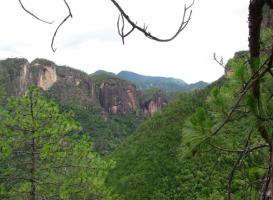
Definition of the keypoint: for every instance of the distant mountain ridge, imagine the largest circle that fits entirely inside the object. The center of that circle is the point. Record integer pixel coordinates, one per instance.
(164, 83)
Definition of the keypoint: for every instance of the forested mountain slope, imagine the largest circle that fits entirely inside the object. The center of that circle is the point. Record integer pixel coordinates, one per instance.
(149, 164)
(166, 84)
(206, 145)
(109, 108)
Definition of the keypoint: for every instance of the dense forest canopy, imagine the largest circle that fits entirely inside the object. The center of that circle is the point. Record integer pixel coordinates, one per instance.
(211, 143)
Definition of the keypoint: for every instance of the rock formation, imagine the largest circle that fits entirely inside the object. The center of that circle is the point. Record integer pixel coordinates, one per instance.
(152, 101)
(154, 105)
(118, 96)
(70, 86)
(67, 85)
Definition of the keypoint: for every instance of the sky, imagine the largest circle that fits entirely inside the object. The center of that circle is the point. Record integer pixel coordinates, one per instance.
(89, 41)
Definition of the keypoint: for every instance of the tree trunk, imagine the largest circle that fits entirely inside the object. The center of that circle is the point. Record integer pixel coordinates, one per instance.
(267, 189)
(33, 170)
(33, 153)
(255, 21)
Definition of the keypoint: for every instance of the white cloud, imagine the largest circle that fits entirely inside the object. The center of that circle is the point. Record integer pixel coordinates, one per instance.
(90, 41)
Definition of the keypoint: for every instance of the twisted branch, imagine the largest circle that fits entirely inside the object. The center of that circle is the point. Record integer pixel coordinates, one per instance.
(144, 29)
(57, 29)
(33, 15)
(121, 24)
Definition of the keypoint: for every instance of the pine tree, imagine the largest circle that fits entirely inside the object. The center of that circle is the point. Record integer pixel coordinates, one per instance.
(42, 155)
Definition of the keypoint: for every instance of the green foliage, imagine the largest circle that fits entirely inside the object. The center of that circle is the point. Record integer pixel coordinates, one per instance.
(175, 154)
(166, 84)
(243, 125)
(100, 76)
(266, 37)
(147, 164)
(11, 62)
(44, 62)
(40, 147)
(106, 130)
(149, 93)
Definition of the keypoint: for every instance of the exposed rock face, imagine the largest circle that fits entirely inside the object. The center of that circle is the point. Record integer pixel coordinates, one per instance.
(118, 96)
(154, 106)
(47, 78)
(15, 74)
(154, 103)
(70, 86)
(73, 87)
(66, 84)
(131, 92)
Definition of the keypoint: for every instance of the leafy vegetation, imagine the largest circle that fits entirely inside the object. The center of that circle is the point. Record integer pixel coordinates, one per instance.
(214, 143)
(166, 84)
(147, 164)
(205, 145)
(43, 156)
(101, 75)
(106, 130)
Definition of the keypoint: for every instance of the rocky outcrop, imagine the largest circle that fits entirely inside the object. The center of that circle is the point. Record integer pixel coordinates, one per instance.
(65, 84)
(120, 96)
(117, 96)
(153, 106)
(70, 86)
(15, 75)
(153, 102)
(47, 78)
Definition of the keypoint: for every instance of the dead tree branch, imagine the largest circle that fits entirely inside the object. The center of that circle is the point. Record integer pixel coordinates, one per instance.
(121, 29)
(57, 29)
(33, 15)
(220, 62)
(144, 29)
(121, 23)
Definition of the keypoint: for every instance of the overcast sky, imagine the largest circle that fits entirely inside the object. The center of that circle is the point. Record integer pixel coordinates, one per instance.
(90, 41)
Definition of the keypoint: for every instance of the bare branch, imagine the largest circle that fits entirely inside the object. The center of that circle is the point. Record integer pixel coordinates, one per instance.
(144, 30)
(250, 150)
(124, 17)
(33, 15)
(225, 149)
(64, 20)
(220, 62)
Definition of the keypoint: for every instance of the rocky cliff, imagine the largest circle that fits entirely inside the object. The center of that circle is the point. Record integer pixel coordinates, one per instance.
(116, 95)
(153, 101)
(70, 86)
(120, 96)
(66, 84)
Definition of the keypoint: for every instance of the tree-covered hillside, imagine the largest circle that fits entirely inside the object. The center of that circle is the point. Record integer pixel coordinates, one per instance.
(149, 164)
(67, 135)
(209, 144)
(166, 84)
